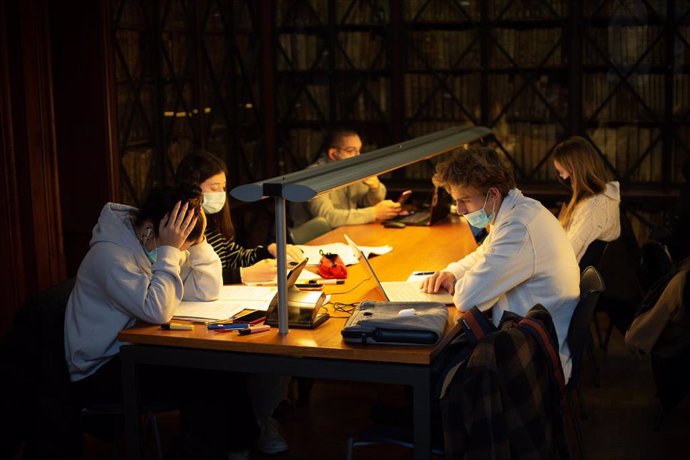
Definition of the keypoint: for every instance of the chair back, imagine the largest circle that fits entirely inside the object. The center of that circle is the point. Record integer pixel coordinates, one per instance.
(591, 287)
(40, 410)
(310, 230)
(655, 264)
(593, 254)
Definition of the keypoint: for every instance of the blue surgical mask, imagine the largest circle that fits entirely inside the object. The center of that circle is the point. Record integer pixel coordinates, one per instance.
(213, 202)
(478, 218)
(152, 254)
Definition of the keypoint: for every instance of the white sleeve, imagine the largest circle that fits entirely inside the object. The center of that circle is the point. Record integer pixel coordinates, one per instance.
(586, 225)
(201, 272)
(507, 261)
(151, 297)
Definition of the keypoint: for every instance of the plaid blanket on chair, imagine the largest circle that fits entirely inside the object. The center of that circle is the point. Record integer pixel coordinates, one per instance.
(506, 402)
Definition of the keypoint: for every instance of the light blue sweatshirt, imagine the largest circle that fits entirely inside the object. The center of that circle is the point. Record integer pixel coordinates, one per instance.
(117, 285)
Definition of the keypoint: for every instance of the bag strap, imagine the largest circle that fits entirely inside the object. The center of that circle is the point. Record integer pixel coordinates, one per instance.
(536, 330)
(475, 325)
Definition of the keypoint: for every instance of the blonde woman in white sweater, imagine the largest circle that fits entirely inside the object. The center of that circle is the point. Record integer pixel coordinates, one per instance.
(593, 212)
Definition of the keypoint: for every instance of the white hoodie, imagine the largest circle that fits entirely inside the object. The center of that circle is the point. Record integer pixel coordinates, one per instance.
(117, 285)
(595, 218)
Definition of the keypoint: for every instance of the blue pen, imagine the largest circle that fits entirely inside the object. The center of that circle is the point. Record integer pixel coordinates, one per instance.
(221, 326)
(423, 273)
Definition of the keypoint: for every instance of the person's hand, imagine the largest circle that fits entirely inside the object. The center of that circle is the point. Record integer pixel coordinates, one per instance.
(176, 226)
(386, 209)
(439, 280)
(262, 271)
(372, 182)
(292, 252)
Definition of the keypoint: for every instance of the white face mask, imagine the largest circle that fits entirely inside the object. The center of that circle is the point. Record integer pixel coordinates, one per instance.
(213, 202)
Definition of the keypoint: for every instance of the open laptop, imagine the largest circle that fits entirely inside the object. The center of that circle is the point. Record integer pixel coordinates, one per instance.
(438, 210)
(307, 317)
(399, 291)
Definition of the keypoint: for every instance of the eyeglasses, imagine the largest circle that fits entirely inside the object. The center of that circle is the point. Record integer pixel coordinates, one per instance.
(350, 151)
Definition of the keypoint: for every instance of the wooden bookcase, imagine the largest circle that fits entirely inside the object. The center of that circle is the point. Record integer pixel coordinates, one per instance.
(186, 76)
(259, 83)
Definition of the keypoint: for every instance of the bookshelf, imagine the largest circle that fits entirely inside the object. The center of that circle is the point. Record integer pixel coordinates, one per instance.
(260, 83)
(185, 76)
(332, 67)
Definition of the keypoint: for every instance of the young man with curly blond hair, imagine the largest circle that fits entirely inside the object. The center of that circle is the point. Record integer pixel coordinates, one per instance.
(525, 260)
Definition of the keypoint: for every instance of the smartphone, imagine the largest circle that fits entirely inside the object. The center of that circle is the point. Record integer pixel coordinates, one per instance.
(253, 317)
(404, 196)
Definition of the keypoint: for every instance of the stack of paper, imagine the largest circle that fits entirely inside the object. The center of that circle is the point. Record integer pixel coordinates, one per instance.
(345, 251)
(233, 299)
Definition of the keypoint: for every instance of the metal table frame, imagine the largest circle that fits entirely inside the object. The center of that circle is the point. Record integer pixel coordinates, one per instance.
(417, 376)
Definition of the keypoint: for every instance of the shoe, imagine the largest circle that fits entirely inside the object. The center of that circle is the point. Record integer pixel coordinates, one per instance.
(270, 441)
(242, 454)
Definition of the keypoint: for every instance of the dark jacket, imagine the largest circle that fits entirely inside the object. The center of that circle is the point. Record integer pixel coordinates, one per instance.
(506, 401)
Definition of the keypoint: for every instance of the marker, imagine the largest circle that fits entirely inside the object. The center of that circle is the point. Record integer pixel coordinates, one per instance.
(177, 327)
(254, 330)
(331, 281)
(309, 286)
(226, 326)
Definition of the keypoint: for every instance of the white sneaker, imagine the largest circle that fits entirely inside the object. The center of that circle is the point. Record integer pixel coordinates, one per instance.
(242, 454)
(270, 441)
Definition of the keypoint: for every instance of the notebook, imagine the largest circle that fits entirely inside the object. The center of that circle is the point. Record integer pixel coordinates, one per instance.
(303, 307)
(437, 210)
(400, 291)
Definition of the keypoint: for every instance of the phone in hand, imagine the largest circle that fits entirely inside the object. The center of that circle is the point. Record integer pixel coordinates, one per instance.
(253, 317)
(404, 196)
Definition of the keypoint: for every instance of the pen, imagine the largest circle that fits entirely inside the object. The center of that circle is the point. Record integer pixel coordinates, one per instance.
(423, 273)
(254, 330)
(176, 327)
(332, 281)
(226, 326)
(309, 286)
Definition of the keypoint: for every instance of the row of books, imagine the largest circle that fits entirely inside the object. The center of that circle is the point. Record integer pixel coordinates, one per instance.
(446, 11)
(439, 49)
(354, 100)
(528, 48)
(544, 97)
(624, 46)
(605, 99)
(444, 96)
(310, 13)
(635, 153)
(615, 9)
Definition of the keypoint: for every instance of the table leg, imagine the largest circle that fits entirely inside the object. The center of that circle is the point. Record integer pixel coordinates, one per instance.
(130, 395)
(421, 400)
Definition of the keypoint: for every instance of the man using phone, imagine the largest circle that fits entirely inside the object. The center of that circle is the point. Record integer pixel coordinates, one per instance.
(358, 203)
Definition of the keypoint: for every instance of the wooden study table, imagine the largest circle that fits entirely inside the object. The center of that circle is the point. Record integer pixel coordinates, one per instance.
(319, 353)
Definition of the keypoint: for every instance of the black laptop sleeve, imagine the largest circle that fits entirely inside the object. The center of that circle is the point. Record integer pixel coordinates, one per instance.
(380, 323)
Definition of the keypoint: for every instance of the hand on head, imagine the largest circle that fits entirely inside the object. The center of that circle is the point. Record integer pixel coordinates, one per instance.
(175, 227)
(439, 280)
(386, 209)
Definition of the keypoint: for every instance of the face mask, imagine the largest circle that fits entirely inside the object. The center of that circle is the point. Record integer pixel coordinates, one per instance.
(479, 219)
(213, 202)
(152, 255)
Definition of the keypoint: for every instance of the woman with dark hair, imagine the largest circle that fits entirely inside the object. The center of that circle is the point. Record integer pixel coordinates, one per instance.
(140, 265)
(239, 264)
(210, 173)
(593, 212)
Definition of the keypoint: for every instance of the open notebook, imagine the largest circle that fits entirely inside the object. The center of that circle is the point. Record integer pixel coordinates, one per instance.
(400, 291)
